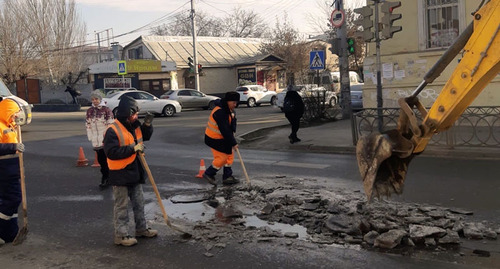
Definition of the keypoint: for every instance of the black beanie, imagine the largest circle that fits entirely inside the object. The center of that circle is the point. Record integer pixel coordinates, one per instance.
(232, 96)
(127, 107)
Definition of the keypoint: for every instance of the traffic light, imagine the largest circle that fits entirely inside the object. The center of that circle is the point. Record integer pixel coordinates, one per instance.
(335, 46)
(365, 21)
(389, 18)
(350, 45)
(191, 65)
(200, 68)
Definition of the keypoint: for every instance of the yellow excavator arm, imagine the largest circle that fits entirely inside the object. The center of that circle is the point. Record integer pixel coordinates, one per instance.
(383, 158)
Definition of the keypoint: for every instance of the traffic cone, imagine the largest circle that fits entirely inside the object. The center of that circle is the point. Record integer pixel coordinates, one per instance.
(202, 169)
(96, 162)
(82, 161)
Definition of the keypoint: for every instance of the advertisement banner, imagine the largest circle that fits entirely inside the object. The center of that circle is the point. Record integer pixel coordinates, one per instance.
(246, 76)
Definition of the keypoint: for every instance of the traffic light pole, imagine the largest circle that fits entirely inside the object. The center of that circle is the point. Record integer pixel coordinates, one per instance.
(195, 53)
(380, 100)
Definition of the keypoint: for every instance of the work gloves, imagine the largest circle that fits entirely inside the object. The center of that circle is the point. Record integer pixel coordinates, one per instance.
(139, 148)
(20, 147)
(148, 119)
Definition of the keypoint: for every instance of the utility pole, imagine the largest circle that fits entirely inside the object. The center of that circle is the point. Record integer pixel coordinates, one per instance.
(98, 48)
(345, 85)
(380, 99)
(195, 54)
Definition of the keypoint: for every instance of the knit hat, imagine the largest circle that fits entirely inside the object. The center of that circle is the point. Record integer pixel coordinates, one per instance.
(96, 94)
(232, 96)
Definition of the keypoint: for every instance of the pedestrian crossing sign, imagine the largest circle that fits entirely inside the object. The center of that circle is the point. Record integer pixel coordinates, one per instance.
(122, 67)
(317, 60)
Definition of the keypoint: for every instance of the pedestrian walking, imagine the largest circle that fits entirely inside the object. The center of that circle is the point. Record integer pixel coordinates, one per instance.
(98, 118)
(219, 136)
(122, 142)
(10, 187)
(293, 107)
(74, 94)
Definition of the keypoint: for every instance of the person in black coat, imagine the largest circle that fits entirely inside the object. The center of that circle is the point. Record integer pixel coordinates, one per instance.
(294, 109)
(123, 141)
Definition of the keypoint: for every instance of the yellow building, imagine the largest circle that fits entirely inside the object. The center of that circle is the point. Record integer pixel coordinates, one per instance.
(429, 27)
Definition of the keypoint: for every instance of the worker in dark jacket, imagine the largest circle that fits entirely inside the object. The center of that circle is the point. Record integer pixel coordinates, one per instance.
(219, 136)
(122, 142)
(10, 188)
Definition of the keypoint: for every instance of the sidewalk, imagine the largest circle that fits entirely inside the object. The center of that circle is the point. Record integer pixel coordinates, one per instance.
(336, 137)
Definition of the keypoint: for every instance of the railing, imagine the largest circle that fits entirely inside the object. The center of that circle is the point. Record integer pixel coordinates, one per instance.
(476, 127)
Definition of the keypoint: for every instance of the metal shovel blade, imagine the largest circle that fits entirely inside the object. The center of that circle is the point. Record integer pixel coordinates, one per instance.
(383, 162)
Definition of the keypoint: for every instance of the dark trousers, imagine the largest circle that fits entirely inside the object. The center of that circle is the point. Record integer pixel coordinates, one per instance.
(295, 122)
(103, 162)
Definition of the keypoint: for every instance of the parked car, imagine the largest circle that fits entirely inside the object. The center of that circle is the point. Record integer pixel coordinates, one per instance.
(147, 103)
(25, 107)
(306, 90)
(255, 95)
(357, 96)
(191, 98)
(109, 91)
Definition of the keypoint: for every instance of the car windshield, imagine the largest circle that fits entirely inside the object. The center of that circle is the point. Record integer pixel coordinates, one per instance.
(4, 91)
(113, 94)
(241, 89)
(169, 92)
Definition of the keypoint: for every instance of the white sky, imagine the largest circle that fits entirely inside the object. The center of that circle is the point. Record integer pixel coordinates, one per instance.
(123, 16)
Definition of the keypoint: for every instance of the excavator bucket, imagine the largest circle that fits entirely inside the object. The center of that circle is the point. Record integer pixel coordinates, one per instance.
(383, 162)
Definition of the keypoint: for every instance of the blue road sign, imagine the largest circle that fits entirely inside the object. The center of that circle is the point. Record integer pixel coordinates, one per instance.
(317, 60)
(122, 67)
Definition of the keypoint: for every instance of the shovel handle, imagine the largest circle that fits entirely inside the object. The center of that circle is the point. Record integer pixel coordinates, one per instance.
(150, 176)
(23, 182)
(243, 166)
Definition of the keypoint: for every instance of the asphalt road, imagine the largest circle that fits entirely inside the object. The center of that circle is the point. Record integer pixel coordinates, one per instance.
(70, 219)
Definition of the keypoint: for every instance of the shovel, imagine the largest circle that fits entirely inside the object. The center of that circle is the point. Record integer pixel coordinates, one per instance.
(185, 234)
(23, 232)
(243, 166)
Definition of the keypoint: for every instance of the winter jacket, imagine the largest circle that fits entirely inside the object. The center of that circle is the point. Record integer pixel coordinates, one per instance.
(10, 189)
(133, 173)
(97, 121)
(298, 105)
(226, 124)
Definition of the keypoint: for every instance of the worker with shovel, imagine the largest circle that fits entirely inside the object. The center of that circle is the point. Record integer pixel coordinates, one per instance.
(10, 188)
(219, 136)
(122, 142)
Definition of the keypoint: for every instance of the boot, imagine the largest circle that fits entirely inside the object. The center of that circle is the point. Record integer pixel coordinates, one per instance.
(126, 241)
(104, 183)
(149, 233)
(209, 175)
(227, 177)
(291, 139)
(230, 181)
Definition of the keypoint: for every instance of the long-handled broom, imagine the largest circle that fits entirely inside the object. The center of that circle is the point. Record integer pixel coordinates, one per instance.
(23, 232)
(160, 203)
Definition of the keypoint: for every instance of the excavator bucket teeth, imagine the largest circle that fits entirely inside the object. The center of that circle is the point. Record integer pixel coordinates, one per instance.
(383, 162)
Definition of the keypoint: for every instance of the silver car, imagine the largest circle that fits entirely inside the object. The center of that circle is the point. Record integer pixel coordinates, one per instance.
(146, 101)
(191, 98)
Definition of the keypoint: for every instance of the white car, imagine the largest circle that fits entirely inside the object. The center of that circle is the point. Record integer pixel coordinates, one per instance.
(255, 95)
(147, 103)
(305, 91)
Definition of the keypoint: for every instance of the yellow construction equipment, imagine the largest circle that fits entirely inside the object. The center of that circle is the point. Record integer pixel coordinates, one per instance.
(383, 158)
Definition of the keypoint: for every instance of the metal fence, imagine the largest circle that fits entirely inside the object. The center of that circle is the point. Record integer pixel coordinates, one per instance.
(476, 127)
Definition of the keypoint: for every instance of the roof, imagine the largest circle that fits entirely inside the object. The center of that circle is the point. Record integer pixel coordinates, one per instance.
(212, 51)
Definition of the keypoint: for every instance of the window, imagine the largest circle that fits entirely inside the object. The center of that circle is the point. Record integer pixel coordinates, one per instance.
(184, 93)
(442, 22)
(135, 53)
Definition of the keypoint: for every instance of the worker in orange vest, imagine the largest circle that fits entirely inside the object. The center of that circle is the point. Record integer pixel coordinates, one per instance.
(122, 142)
(10, 187)
(219, 136)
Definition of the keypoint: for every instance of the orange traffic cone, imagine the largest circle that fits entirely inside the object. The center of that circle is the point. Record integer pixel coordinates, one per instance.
(202, 169)
(96, 162)
(82, 161)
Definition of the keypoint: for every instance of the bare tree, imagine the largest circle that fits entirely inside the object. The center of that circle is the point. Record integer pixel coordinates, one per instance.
(181, 26)
(49, 42)
(242, 23)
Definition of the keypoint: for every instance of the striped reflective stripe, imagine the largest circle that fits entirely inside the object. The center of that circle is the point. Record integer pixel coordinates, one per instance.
(9, 156)
(6, 131)
(121, 137)
(5, 217)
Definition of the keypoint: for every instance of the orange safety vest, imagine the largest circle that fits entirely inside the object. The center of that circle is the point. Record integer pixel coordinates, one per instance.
(125, 138)
(212, 129)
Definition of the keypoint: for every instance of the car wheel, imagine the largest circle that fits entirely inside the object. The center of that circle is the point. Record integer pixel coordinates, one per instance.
(250, 102)
(169, 110)
(332, 102)
(273, 100)
(211, 105)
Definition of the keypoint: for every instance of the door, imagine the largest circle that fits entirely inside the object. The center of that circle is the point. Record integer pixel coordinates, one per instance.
(184, 97)
(29, 90)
